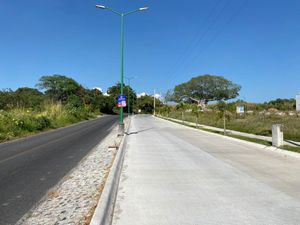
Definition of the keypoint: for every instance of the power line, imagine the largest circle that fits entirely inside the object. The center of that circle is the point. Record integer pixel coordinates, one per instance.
(195, 37)
(203, 34)
(218, 33)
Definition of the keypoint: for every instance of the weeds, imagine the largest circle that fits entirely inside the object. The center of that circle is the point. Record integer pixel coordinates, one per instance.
(254, 124)
(21, 122)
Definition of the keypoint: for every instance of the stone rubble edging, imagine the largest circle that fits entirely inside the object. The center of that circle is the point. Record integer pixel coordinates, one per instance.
(74, 199)
(103, 214)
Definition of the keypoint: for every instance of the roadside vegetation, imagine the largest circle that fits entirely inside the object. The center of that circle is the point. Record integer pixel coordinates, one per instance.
(254, 122)
(56, 102)
(254, 140)
(203, 100)
(20, 122)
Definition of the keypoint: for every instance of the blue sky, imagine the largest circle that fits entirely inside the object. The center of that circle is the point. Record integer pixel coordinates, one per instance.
(255, 43)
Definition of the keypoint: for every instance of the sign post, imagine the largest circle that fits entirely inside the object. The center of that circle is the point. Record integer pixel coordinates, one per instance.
(298, 102)
(121, 101)
(240, 109)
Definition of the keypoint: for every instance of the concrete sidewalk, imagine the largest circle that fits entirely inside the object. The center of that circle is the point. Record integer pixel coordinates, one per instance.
(174, 175)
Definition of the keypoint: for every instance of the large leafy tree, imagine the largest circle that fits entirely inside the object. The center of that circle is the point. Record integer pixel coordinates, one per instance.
(205, 88)
(61, 88)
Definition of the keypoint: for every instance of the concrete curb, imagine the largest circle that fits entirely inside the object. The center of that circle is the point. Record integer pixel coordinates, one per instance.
(104, 211)
(260, 146)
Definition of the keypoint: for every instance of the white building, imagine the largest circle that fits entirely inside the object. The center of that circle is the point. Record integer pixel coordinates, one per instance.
(298, 102)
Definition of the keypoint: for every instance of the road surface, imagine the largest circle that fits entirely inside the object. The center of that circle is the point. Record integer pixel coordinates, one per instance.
(175, 175)
(31, 166)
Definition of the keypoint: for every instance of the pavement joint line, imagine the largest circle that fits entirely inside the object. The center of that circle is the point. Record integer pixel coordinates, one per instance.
(260, 146)
(103, 214)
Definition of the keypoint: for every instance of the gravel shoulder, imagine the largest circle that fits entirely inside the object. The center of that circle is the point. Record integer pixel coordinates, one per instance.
(74, 199)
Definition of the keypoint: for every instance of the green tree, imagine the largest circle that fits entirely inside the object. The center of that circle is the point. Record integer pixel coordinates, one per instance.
(282, 104)
(145, 104)
(29, 97)
(115, 90)
(61, 88)
(7, 99)
(205, 88)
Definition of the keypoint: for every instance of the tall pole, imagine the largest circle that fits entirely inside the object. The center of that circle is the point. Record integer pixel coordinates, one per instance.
(122, 15)
(122, 69)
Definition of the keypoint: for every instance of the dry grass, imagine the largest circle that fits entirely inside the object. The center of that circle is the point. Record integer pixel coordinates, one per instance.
(255, 124)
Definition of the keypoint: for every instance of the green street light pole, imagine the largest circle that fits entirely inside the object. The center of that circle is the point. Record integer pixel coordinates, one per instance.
(122, 15)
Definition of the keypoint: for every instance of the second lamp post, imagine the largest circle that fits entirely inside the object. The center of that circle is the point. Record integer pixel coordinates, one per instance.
(122, 15)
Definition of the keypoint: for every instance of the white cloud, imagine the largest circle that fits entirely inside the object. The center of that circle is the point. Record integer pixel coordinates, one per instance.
(97, 88)
(158, 96)
(141, 94)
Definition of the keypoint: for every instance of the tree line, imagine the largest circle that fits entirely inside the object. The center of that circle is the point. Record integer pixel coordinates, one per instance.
(71, 94)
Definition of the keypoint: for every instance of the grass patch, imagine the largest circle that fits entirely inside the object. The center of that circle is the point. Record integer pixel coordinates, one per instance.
(291, 148)
(254, 140)
(256, 123)
(22, 122)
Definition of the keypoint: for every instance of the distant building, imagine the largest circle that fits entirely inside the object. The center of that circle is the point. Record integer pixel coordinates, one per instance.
(298, 102)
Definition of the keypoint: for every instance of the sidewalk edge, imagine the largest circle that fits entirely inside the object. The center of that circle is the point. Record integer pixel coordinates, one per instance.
(104, 210)
(260, 146)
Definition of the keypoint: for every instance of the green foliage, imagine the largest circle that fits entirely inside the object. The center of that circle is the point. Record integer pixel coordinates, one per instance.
(21, 122)
(7, 99)
(115, 91)
(61, 88)
(206, 88)
(164, 110)
(64, 101)
(29, 97)
(22, 97)
(254, 123)
(282, 104)
(146, 104)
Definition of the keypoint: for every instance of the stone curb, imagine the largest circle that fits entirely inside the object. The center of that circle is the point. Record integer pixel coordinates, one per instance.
(104, 211)
(260, 146)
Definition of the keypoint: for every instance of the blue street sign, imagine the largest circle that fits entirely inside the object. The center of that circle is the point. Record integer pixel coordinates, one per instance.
(121, 101)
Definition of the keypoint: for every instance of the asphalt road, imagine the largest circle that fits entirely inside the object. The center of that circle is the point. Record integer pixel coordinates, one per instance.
(175, 175)
(30, 167)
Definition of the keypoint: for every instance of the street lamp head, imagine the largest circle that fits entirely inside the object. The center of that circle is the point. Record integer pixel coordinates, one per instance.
(143, 9)
(100, 7)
